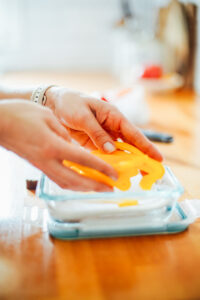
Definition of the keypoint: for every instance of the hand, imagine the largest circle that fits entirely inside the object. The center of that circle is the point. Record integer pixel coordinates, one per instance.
(95, 123)
(34, 133)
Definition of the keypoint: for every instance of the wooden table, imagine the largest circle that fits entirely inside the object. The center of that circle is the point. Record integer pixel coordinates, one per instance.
(35, 266)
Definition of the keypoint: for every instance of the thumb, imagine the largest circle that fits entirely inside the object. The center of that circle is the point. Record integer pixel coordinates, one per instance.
(98, 135)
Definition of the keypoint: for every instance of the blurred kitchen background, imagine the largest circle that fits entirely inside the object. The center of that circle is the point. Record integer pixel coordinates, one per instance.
(134, 40)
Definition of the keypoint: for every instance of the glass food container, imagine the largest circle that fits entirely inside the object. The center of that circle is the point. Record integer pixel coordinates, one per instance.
(75, 215)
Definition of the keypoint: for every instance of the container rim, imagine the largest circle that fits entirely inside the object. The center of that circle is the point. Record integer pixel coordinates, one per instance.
(176, 191)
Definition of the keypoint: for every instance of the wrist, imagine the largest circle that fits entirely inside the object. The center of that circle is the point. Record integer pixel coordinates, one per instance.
(52, 94)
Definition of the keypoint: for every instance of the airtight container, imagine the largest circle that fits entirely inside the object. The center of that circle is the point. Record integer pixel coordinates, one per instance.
(76, 215)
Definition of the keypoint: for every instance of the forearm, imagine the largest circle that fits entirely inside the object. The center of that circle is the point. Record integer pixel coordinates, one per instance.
(7, 92)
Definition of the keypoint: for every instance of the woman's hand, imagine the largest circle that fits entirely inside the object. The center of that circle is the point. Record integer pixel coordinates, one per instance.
(34, 133)
(93, 122)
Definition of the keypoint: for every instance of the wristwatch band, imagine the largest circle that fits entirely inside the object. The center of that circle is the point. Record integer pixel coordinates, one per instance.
(38, 95)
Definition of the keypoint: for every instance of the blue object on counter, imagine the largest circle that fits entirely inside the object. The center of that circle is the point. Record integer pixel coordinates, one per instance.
(160, 137)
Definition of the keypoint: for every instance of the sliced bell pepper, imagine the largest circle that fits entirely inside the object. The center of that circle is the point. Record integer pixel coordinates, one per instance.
(127, 161)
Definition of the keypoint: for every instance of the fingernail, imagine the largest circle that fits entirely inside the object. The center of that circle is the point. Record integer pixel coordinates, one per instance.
(108, 147)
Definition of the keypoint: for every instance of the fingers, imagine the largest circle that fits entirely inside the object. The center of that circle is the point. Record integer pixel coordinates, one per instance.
(79, 155)
(114, 121)
(82, 138)
(98, 135)
(69, 179)
(58, 128)
(135, 137)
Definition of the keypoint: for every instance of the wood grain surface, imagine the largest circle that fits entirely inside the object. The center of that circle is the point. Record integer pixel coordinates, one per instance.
(36, 266)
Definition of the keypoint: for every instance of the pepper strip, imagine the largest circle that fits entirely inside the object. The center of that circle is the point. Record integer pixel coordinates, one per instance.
(127, 164)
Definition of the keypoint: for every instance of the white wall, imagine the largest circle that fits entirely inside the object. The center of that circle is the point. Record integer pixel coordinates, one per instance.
(59, 34)
(63, 34)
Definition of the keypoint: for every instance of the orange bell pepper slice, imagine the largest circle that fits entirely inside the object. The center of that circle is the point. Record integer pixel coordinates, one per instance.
(127, 161)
